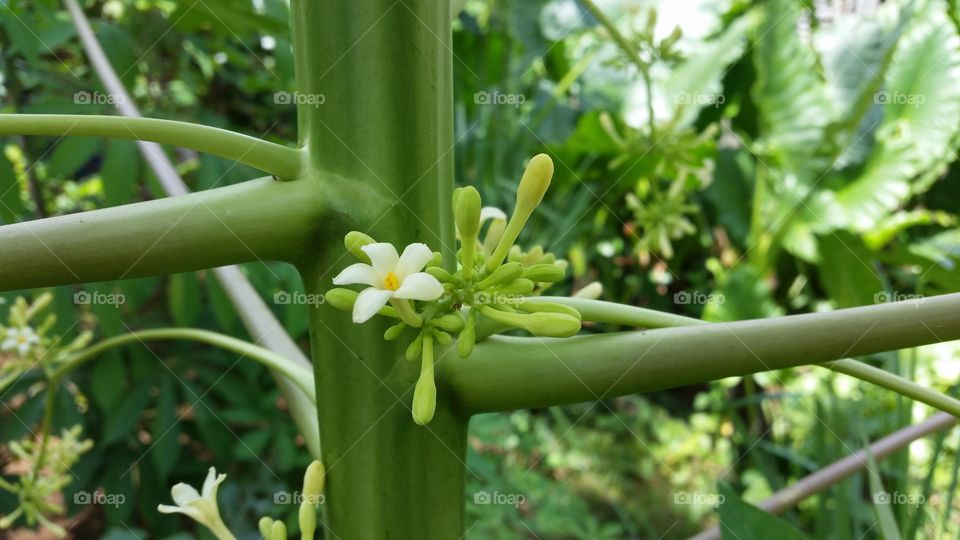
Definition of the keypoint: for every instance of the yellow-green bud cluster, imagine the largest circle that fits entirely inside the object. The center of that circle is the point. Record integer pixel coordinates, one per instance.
(488, 290)
(312, 494)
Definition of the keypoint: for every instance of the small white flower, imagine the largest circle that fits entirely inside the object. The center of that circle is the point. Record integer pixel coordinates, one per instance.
(491, 212)
(390, 276)
(201, 507)
(20, 340)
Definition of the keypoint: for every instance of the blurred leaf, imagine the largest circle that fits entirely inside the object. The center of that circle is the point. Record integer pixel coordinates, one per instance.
(120, 171)
(70, 154)
(165, 430)
(742, 521)
(11, 206)
(183, 295)
(846, 270)
(121, 421)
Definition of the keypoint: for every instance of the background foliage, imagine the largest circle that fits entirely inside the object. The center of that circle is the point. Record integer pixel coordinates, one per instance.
(727, 159)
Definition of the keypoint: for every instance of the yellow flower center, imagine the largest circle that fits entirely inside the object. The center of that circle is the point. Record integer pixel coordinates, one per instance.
(391, 282)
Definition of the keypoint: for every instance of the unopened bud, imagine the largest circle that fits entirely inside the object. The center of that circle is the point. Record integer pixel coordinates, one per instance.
(342, 299)
(413, 350)
(533, 256)
(394, 331)
(442, 338)
(425, 393)
(533, 185)
(314, 478)
(539, 324)
(590, 292)
(538, 306)
(308, 520)
(450, 323)
(503, 274)
(517, 286)
(544, 273)
(354, 240)
(266, 527)
(468, 336)
(278, 531)
(442, 275)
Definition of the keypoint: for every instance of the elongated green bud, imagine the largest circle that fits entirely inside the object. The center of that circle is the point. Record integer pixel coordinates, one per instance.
(343, 299)
(413, 350)
(539, 324)
(394, 331)
(39, 304)
(493, 236)
(544, 272)
(440, 274)
(517, 286)
(442, 338)
(425, 393)
(468, 336)
(466, 211)
(515, 254)
(533, 185)
(436, 260)
(278, 531)
(313, 479)
(533, 256)
(503, 274)
(549, 307)
(308, 520)
(354, 240)
(450, 323)
(266, 526)
(591, 291)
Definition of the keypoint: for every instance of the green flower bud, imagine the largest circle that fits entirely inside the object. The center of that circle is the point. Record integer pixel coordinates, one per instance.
(413, 350)
(503, 274)
(466, 212)
(544, 273)
(313, 479)
(425, 393)
(538, 306)
(440, 274)
(437, 259)
(533, 185)
(343, 299)
(265, 526)
(493, 236)
(308, 520)
(591, 291)
(539, 324)
(515, 254)
(450, 323)
(278, 531)
(533, 256)
(548, 258)
(354, 240)
(394, 331)
(442, 338)
(517, 286)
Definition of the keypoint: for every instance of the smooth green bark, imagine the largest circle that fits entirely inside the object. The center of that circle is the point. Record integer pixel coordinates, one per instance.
(382, 144)
(258, 220)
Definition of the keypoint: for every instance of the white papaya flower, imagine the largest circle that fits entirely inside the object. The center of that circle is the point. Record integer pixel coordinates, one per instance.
(20, 340)
(390, 276)
(201, 507)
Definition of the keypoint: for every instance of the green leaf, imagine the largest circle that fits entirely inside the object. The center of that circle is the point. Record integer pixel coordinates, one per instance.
(11, 205)
(109, 380)
(70, 154)
(742, 521)
(847, 270)
(740, 294)
(121, 421)
(881, 500)
(120, 171)
(183, 294)
(165, 430)
(921, 106)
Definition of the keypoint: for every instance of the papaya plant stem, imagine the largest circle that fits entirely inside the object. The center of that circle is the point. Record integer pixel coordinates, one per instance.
(257, 220)
(300, 376)
(283, 162)
(514, 373)
(896, 383)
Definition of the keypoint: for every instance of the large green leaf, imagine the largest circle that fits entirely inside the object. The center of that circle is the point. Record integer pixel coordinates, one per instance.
(742, 521)
(921, 105)
(847, 271)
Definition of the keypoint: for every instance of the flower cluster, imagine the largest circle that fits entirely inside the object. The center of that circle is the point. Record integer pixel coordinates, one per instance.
(202, 506)
(43, 468)
(482, 292)
(24, 347)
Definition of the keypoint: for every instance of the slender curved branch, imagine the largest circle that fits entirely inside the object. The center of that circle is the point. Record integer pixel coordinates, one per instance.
(515, 373)
(786, 498)
(896, 383)
(613, 313)
(255, 220)
(259, 321)
(283, 162)
(299, 375)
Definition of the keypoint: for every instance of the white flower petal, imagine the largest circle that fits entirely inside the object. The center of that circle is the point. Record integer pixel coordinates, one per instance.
(9, 344)
(369, 302)
(167, 509)
(414, 258)
(420, 286)
(491, 212)
(211, 482)
(23, 349)
(383, 256)
(184, 494)
(359, 273)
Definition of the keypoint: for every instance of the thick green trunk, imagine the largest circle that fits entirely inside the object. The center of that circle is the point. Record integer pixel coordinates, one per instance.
(383, 69)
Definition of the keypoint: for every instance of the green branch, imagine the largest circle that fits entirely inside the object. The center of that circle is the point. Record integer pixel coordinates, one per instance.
(622, 314)
(283, 162)
(896, 383)
(514, 373)
(256, 220)
(300, 376)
